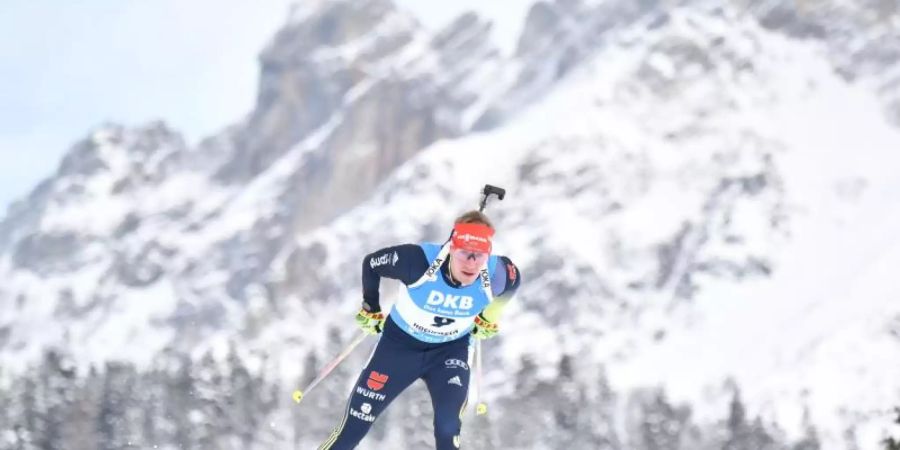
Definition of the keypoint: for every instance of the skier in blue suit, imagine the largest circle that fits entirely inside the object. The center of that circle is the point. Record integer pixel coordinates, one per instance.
(449, 294)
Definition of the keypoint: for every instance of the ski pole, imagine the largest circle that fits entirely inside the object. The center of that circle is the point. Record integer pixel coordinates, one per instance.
(299, 393)
(480, 406)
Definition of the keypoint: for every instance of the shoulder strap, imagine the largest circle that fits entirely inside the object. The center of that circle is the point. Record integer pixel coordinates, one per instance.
(485, 275)
(431, 273)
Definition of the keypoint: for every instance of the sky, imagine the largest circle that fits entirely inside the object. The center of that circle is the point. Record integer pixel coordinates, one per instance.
(67, 67)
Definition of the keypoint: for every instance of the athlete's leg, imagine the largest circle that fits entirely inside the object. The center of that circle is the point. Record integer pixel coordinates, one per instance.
(448, 383)
(391, 369)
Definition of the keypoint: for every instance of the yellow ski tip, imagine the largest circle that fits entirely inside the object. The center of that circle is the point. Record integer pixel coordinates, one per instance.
(481, 409)
(298, 395)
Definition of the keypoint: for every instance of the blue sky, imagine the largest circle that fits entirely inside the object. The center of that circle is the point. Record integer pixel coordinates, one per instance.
(68, 66)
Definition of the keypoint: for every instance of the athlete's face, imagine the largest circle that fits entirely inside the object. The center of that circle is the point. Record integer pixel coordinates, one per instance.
(464, 265)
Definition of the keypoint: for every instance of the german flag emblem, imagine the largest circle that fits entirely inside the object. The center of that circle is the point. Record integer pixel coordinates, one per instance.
(376, 381)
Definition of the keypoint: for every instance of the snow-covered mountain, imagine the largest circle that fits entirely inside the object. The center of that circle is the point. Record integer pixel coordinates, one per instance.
(702, 198)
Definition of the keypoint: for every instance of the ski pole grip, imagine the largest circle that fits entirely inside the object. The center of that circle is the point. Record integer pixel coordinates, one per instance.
(498, 191)
(486, 193)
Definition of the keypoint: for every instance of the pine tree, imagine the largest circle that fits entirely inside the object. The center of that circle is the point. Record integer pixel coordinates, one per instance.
(305, 429)
(601, 431)
(55, 381)
(8, 423)
(5, 414)
(5, 422)
(565, 413)
(850, 440)
(656, 424)
(241, 402)
(890, 443)
(117, 424)
(80, 431)
(180, 401)
(811, 439)
(742, 434)
(316, 417)
(28, 427)
(152, 398)
(584, 411)
(271, 399)
(206, 412)
(528, 430)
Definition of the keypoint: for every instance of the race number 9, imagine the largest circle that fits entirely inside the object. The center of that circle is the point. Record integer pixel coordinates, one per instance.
(442, 321)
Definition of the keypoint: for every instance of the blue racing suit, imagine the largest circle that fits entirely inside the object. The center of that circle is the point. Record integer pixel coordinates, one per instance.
(426, 336)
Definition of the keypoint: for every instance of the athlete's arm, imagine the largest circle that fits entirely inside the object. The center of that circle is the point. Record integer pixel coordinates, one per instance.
(405, 262)
(504, 283)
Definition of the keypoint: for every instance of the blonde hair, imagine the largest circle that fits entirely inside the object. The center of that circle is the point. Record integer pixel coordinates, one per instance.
(474, 216)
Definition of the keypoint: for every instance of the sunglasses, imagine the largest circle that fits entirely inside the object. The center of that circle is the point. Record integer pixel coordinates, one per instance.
(466, 255)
